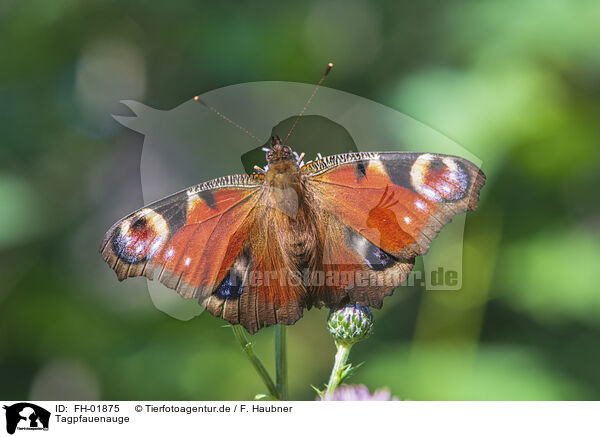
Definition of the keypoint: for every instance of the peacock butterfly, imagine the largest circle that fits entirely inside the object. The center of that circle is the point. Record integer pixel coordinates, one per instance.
(258, 249)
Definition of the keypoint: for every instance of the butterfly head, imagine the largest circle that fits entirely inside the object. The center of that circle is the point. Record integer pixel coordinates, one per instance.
(278, 152)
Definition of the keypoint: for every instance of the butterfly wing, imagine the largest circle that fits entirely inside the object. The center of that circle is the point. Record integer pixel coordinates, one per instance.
(386, 208)
(267, 289)
(356, 270)
(191, 239)
(213, 242)
(371, 214)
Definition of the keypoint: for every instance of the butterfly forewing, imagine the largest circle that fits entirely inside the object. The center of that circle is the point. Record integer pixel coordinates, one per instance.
(398, 201)
(189, 239)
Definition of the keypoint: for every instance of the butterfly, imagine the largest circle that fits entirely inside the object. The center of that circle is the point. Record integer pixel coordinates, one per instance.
(258, 249)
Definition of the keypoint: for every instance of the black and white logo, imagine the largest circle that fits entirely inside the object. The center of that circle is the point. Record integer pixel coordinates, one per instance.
(26, 416)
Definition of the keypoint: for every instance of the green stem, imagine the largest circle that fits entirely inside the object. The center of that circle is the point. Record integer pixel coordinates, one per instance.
(338, 372)
(281, 361)
(248, 348)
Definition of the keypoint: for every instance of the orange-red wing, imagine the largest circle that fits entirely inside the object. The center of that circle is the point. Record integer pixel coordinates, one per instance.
(397, 201)
(377, 212)
(214, 242)
(354, 269)
(263, 288)
(191, 238)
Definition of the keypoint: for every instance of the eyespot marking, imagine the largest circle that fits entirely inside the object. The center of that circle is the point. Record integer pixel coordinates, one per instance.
(140, 237)
(231, 287)
(376, 258)
(442, 179)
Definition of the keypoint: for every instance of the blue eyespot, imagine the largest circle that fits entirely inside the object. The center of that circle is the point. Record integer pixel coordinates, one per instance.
(230, 288)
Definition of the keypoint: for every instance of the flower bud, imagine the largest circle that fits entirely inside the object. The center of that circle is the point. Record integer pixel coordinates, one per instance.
(358, 393)
(350, 324)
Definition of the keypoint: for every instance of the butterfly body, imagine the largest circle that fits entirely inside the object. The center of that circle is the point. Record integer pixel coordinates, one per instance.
(258, 249)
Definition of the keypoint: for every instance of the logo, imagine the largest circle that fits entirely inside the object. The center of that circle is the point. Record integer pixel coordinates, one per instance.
(26, 416)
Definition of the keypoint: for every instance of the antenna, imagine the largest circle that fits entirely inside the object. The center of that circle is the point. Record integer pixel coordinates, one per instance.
(327, 70)
(242, 128)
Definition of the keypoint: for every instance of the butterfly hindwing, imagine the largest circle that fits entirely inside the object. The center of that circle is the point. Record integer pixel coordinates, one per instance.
(251, 301)
(272, 289)
(355, 270)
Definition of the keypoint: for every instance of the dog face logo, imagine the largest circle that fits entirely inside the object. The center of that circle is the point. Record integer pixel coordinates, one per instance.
(26, 416)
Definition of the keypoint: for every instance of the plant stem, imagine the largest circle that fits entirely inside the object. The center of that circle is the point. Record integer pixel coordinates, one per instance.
(337, 373)
(281, 361)
(248, 348)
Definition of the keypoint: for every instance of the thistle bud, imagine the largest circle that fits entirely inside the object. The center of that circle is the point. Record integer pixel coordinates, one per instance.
(350, 324)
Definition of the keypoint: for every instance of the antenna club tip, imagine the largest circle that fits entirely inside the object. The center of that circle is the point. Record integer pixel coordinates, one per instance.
(330, 65)
(199, 100)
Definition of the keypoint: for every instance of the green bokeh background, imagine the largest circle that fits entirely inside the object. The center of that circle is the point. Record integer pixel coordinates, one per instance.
(515, 82)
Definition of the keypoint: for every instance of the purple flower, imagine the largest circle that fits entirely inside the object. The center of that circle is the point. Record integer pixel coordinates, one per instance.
(359, 393)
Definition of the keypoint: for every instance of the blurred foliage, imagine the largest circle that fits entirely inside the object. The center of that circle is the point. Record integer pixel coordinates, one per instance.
(515, 82)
